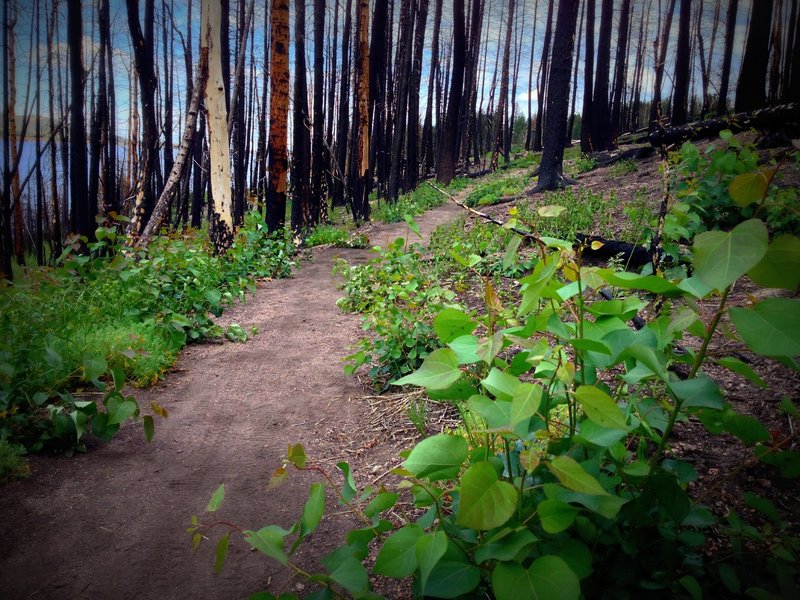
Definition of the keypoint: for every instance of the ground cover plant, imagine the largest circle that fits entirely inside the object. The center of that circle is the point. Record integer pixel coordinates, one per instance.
(563, 481)
(112, 315)
(496, 187)
(416, 202)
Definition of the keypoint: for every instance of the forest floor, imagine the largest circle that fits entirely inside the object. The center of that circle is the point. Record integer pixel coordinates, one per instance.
(112, 523)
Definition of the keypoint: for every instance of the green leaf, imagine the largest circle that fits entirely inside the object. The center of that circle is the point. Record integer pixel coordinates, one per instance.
(524, 404)
(743, 369)
(548, 577)
(221, 553)
(551, 210)
(485, 502)
(313, 509)
(574, 477)
(505, 544)
(439, 370)
(533, 284)
(720, 258)
(398, 557)
(429, 549)
(297, 456)
(466, 349)
(600, 408)
(94, 367)
(700, 392)
(351, 575)
(269, 540)
(605, 506)
(556, 516)
(780, 267)
(644, 355)
(764, 506)
(648, 283)
(690, 584)
(216, 499)
(120, 410)
(438, 457)
(453, 576)
(349, 486)
(502, 385)
(213, 297)
(771, 327)
(381, 502)
(496, 413)
(510, 255)
(149, 427)
(412, 224)
(624, 309)
(748, 188)
(452, 323)
(593, 433)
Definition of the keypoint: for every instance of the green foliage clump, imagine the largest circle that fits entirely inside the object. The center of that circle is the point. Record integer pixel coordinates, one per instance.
(706, 201)
(398, 298)
(337, 236)
(524, 161)
(584, 211)
(13, 465)
(421, 200)
(583, 164)
(112, 315)
(622, 168)
(490, 191)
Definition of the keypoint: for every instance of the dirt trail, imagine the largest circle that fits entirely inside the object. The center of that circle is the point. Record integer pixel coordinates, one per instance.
(112, 523)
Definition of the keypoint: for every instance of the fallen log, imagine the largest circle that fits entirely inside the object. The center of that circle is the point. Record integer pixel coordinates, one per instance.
(776, 116)
(609, 157)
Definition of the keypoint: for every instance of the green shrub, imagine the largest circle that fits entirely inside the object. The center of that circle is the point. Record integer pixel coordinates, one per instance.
(583, 164)
(113, 315)
(12, 462)
(496, 187)
(622, 168)
(421, 200)
(584, 211)
(336, 236)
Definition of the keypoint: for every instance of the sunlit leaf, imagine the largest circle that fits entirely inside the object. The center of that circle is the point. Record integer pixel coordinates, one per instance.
(720, 257)
(439, 370)
(216, 499)
(485, 502)
(437, 457)
(771, 327)
(574, 477)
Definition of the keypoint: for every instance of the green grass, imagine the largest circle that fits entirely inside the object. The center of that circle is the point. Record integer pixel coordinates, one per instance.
(421, 200)
(339, 236)
(496, 186)
(586, 212)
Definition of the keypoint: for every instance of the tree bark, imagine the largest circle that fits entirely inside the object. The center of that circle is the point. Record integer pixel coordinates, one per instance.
(360, 201)
(751, 88)
(727, 57)
(427, 127)
(680, 97)
(318, 153)
(220, 227)
(499, 129)
(278, 113)
(660, 46)
(301, 217)
(601, 115)
(82, 213)
(412, 137)
(342, 128)
(587, 143)
(620, 70)
(448, 150)
(551, 175)
(544, 68)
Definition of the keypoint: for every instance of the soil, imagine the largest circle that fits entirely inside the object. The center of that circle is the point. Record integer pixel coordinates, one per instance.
(112, 523)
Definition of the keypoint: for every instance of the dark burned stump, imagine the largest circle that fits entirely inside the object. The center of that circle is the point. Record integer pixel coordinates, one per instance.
(608, 158)
(633, 256)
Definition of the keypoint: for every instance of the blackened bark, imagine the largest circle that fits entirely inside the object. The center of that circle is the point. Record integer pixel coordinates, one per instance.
(727, 57)
(620, 67)
(544, 68)
(427, 128)
(601, 114)
(82, 213)
(342, 129)
(587, 144)
(660, 46)
(571, 124)
(412, 137)
(318, 154)
(448, 150)
(301, 139)
(551, 173)
(681, 94)
(751, 88)
(404, 56)
(499, 129)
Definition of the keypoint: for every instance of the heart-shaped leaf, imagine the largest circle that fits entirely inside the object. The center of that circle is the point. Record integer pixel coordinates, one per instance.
(485, 502)
(720, 257)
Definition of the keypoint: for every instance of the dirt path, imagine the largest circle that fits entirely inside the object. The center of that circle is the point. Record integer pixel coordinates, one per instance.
(112, 523)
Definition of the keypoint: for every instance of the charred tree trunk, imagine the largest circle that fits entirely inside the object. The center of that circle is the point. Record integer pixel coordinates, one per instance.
(660, 46)
(620, 71)
(412, 137)
(601, 115)
(427, 128)
(544, 68)
(528, 135)
(727, 57)
(6, 246)
(587, 143)
(751, 87)
(82, 213)
(360, 201)
(681, 94)
(301, 140)
(278, 112)
(342, 128)
(551, 173)
(448, 150)
(404, 56)
(499, 143)
(318, 154)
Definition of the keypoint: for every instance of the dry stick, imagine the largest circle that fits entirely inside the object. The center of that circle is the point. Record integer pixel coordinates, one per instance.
(491, 219)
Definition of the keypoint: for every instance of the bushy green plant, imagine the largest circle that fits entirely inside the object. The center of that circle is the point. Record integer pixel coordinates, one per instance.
(398, 299)
(622, 168)
(496, 187)
(421, 200)
(584, 211)
(706, 201)
(115, 314)
(12, 462)
(583, 164)
(337, 236)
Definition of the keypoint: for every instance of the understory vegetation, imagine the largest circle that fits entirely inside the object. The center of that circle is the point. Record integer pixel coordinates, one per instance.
(116, 314)
(562, 480)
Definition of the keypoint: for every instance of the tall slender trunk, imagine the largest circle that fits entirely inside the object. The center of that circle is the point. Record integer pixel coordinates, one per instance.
(342, 128)
(360, 202)
(82, 213)
(427, 127)
(660, 46)
(318, 154)
(620, 69)
(681, 90)
(571, 124)
(6, 248)
(544, 67)
(301, 139)
(412, 137)
(55, 219)
(751, 88)
(727, 56)
(403, 70)
(501, 104)
(11, 107)
(448, 150)
(601, 115)
(528, 136)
